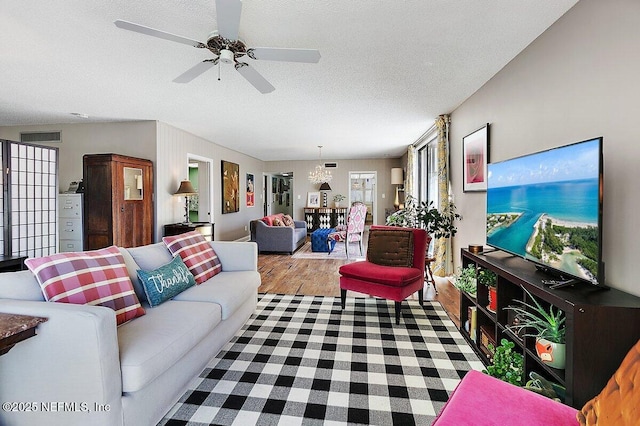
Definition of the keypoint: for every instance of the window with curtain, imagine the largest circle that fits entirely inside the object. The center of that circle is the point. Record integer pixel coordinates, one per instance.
(427, 157)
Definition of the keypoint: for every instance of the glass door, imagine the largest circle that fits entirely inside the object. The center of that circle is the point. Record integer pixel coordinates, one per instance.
(362, 187)
(200, 176)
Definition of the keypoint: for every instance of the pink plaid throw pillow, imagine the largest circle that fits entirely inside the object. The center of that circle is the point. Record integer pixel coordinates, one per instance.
(196, 253)
(96, 277)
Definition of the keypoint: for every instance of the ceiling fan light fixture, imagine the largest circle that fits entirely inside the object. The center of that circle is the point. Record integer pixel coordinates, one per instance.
(226, 56)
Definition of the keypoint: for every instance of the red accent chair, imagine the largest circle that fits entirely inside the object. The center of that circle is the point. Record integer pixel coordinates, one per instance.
(394, 268)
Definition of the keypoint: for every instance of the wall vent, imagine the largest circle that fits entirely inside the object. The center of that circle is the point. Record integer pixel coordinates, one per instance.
(330, 165)
(41, 137)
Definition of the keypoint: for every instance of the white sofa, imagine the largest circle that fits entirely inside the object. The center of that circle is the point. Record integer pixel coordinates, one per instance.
(138, 370)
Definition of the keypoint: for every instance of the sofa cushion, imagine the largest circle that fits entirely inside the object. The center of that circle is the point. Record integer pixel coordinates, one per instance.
(132, 268)
(395, 276)
(153, 343)
(147, 257)
(619, 402)
(167, 281)
(269, 219)
(390, 247)
(229, 290)
(288, 221)
(151, 256)
(20, 285)
(97, 277)
(196, 253)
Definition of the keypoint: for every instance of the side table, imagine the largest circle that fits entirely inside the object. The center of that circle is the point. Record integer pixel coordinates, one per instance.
(12, 263)
(15, 328)
(205, 228)
(428, 274)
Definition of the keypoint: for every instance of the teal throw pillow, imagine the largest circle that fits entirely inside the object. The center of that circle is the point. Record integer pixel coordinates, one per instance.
(166, 282)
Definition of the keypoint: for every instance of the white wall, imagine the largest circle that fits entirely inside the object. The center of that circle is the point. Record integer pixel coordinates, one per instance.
(578, 80)
(167, 147)
(173, 147)
(340, 182)
(133, 138)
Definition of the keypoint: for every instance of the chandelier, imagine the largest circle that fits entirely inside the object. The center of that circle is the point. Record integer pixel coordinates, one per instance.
(320, 174)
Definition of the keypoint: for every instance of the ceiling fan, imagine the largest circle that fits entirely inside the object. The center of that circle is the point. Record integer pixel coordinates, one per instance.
(227, 48)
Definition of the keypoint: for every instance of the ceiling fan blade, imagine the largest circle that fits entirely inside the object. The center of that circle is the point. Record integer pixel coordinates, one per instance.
(126, 25)
(195, 71)
(284, 54)
(228, 18)
(254, 77)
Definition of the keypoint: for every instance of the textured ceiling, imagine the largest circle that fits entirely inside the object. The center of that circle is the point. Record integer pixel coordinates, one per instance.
(388, 68)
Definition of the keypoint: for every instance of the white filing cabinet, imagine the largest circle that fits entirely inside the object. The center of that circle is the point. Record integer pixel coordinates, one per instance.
(70, 222)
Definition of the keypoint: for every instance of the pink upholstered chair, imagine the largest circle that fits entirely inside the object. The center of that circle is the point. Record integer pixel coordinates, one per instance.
(394, 268)
(354, 229)
(481, 400)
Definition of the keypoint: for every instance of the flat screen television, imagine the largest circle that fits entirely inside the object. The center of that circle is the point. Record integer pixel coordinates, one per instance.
(547, 208)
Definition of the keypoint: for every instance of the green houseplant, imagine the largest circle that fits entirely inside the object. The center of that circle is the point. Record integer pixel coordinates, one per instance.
(437, 223)
(507, 364)
(337, 198)
(489, 279)
(547, 326)
(466, 280)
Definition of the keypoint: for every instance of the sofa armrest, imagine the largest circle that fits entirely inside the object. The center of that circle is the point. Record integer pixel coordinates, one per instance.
(73, 359)
(300, 224)
(236, 256)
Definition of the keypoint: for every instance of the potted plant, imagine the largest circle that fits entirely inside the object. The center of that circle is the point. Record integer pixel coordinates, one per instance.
(548, 329)
(337, 198)
(507, 364)
(438, 223)
(465, 280)
(489, 279)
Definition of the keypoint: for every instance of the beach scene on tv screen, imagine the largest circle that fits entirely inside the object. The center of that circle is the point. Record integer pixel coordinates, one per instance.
(545, 207)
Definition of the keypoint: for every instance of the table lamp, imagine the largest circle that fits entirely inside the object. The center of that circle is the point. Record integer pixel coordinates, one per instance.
(324, 188)
(397, 179)
(186, 190)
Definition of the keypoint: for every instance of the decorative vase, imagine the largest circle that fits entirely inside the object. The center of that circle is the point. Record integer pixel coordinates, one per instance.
(337, 203)
(493, 299)
(550, 353)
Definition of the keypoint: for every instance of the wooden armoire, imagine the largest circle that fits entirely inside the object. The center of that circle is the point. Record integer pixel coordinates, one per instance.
(118, 201)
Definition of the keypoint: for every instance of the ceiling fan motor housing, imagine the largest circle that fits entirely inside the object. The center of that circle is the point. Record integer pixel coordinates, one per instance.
(226, 56)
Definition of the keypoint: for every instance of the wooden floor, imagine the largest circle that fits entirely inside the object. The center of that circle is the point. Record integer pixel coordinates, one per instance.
(283, 275)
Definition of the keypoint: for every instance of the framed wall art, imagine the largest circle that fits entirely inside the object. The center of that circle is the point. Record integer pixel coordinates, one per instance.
(230, 185)
(251, 200)
(475, 157)
(313, 199)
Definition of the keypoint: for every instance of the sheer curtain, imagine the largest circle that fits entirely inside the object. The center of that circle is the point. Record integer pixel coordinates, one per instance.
(412, 170)
(442, 247)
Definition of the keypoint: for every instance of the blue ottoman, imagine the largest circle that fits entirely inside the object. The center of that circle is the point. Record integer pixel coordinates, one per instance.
(319, 240)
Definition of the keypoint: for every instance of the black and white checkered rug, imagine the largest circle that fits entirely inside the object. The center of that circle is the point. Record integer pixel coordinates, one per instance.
(300, 360)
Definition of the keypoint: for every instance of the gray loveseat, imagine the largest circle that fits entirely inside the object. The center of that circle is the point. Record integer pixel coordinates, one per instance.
(279, 239)
(138, 370)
